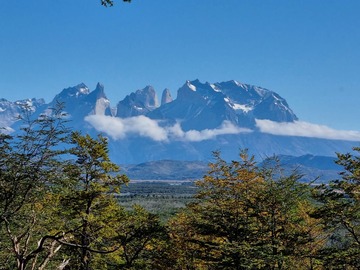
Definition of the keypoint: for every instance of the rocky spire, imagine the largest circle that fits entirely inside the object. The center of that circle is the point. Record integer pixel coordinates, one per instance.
(166, 96)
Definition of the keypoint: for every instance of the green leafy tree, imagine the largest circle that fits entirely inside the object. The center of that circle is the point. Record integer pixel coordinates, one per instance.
(340, 212)
(88, 205)
(29, 164)
(138, 234)
(58, 205)
(288, 237)
(28, 160)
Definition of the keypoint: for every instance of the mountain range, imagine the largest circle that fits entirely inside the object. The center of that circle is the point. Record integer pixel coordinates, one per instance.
(319, 168)
(226, 116)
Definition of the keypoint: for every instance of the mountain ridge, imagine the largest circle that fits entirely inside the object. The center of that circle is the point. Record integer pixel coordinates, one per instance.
(320, 168)
(204, 117)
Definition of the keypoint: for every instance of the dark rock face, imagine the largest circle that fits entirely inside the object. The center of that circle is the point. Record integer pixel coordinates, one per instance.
(166, 97)
(140, 102)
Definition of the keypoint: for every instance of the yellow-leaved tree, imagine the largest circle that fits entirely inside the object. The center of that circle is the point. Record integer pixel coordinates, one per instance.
(247, 217)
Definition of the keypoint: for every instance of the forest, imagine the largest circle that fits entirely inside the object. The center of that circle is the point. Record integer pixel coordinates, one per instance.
(61, 208)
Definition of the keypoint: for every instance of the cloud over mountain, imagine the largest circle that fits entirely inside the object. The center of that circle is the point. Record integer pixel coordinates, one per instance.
(120, 128)
(305, 129)
(203, 117)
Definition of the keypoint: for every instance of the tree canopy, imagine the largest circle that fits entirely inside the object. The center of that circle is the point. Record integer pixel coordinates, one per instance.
(59, 209)
(246, 217)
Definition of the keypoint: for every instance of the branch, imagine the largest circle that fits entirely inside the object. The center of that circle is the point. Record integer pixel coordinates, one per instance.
(87, 248)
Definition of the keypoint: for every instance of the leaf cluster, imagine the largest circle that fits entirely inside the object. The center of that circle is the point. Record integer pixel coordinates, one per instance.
(110, 3)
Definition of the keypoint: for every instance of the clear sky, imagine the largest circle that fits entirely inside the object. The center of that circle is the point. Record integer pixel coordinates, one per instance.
(308, 51)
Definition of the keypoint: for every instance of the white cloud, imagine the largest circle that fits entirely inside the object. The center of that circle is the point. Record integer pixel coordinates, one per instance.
(195, 136)
(120, 128)
(305, 129)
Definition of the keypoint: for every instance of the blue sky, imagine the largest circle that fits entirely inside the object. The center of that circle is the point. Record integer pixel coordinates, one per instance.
(308, 51)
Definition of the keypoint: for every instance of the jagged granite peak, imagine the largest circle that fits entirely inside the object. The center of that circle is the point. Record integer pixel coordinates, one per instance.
(166, 97)
(77, 91)
(98, 101)
(241, 93)
(148, 97)
(206, 105)
(275, 108)
(80, 102)
(11, 111)
(23, 104)
(198, 106)
(32, 103)
(140, 102)
(260, 102)
(197, 92)
(98, 93)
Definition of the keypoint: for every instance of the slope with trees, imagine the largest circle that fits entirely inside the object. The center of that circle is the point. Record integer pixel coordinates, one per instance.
(59, 209)
(58, 201)
(247, 218)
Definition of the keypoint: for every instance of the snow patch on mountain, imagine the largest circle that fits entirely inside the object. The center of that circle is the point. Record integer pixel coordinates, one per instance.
(216, 89)
(305, 129)
(242, 107)
(191, 86)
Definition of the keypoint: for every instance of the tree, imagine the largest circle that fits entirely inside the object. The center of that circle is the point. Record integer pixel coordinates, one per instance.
(181, 250)
(288, 235)
(138, 234)
(30, 240)
(28, 159)
(29, 164)
(87, 202)
(58, 202)
(339, 210)
(246, 217)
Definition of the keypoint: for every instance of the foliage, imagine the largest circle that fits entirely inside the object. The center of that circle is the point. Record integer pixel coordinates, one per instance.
(110, 3)
(87, 204)
(28, 161)
(246, 218)
(29, 164)
(138, 234)
(60, 208)
(340, 213)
